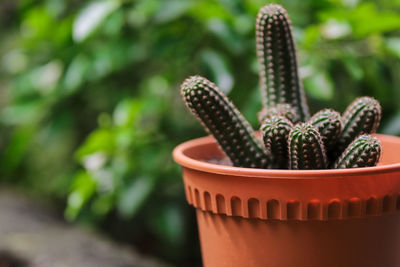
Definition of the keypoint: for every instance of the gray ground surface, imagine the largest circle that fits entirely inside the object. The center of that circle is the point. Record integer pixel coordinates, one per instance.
(32, 234)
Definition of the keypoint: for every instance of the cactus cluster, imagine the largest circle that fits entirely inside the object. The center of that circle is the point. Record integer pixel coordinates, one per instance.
(289, 138)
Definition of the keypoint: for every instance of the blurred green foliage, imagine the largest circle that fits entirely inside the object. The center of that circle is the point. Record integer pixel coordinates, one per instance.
(90, 108)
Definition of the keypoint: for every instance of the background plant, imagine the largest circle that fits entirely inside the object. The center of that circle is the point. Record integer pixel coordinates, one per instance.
(88, 109)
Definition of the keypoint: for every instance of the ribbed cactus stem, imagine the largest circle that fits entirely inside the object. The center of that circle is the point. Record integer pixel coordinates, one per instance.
(276, 53)
(364, 151)
(361, 117)
(275, 132)
(306, 150)
(284, 109)
(221, 119)
(329, 124)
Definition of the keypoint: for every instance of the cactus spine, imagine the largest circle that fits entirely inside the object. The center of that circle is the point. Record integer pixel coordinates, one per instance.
(329, 124)
(362, 152)
(284, 109)
(221, 119)
(275, 132)
(361, 117)
(306, 150)
(276, 52)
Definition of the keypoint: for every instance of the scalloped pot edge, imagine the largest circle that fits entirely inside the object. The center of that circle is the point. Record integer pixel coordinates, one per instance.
(288, 194)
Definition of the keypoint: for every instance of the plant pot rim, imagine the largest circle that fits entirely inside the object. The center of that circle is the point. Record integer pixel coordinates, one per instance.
(182, 155)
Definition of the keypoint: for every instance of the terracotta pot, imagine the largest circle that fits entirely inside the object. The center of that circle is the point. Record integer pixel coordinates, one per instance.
(286, 218)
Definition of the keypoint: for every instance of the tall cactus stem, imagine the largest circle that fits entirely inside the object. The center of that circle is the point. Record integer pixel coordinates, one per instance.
(306, 149)
(364, 151)
(276, 53)
(221, 119)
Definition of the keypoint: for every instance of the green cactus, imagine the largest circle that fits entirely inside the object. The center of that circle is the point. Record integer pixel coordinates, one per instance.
(361, 117)
(364, 151)
(276, 53)
(294, 143)
(329, 124)
(275, 131)
(284, 109)
(306, 150)
(221, 119)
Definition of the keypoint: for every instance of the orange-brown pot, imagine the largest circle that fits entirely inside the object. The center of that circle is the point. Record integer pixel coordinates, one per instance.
(286, 218)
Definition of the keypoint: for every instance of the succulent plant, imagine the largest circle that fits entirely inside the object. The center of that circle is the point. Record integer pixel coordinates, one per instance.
(364, 151)
(362, 116)
(221, 119)
(276, 53)
(329, 124)
(306, 150)
(291, 139)
(275, 131)
(284, 109)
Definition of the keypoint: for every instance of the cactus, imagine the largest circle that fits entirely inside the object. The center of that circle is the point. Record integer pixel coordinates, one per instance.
(276, 53)
(325, 140)
(306, 150)
(221, 119)
(361, 117)
(284, 109)
(364, 151)
(329, 124)
(275, 132)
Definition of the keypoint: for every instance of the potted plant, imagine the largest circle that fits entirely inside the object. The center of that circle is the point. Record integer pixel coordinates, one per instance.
(304, 191)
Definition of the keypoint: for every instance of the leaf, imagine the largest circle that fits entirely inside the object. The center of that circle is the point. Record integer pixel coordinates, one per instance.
(320, 86)
(24, 113)
(367, 20)
(113, 25)
(141, 12)
(353, 68)
(101, 140)
(334, 29)
(311, 37)
(126, 112)
(45, 78)
(76, 73)
(36, 23)
(209, 9)
(222, 30)
(15, 61)
(16, 149)
(103, 204)
(171, 9)
(244, 24)
(110, 57)
(91, 17)
(132, 198)
(83, 189)
(219, 69)
(393, 46)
